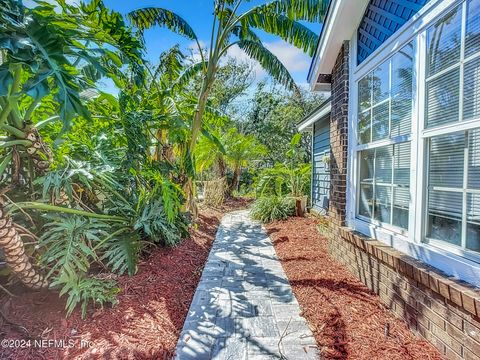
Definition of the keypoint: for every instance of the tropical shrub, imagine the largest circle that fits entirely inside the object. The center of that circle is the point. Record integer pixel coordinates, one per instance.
(270, 208)
(290, 177)
(235, 25)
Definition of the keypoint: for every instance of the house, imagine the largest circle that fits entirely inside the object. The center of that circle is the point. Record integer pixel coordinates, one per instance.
(403, 125)
(318, 124)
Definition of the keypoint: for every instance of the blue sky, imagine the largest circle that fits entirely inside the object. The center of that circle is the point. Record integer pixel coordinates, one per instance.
(199, 15)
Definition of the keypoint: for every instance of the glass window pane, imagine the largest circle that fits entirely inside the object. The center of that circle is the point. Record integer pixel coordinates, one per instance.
(472, 38)
(364, 126)
(401, 199)
(473, 222)
(380, 121)
(364, 93)
(446, 160)
(383, 203)
(381, 82)
(383, 165)
(443, 99)
(366, 200)
(474, 159)
(401, 164)
(471, 90)
(443, 42)
(402, 91)
(445, 216)
(367, 158)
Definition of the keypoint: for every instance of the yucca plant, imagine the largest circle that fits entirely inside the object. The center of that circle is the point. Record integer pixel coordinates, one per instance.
(235, 27)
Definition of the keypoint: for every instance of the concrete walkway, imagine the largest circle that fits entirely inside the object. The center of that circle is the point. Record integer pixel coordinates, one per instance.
(244, 307)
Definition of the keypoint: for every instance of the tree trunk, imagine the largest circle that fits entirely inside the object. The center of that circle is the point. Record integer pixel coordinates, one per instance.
(235, 181)
(221, 168)
(39, 151)
(188, 188)
(12, 245)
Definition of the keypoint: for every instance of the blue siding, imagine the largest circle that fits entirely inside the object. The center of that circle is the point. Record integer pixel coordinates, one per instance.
(321, 174)
(381, 19)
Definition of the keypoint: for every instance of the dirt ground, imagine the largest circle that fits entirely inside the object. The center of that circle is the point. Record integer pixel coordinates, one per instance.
(348, 320)
(146, 322)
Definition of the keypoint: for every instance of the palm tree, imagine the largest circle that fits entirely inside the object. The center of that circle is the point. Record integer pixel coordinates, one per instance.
(235, 151)
(232, 27)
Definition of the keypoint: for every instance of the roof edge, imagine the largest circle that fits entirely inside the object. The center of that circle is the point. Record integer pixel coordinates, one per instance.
(322, 110)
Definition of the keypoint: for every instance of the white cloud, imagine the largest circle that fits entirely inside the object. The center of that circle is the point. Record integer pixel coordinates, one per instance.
(294, 59)
(194, 51)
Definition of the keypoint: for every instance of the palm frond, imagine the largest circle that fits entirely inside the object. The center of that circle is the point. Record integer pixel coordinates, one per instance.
(307, 10)
(289, 30)
(148, 17)
(243, 32)
(189, 73)
(268, 61)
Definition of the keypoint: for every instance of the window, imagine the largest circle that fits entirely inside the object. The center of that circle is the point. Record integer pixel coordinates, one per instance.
(385, 104)
(384, 184)
(385, 98)
(416, 155)
(453, 96)
(453, 67)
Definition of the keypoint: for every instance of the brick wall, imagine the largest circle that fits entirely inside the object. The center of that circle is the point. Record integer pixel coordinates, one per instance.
(443, 311)
(339, 138)
(440, 309)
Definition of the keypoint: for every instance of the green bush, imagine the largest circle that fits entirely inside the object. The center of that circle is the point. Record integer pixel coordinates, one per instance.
(270, 208)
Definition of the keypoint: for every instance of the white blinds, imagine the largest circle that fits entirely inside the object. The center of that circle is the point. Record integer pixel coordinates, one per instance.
(453, 209)
(385, 98)
(384, 184)
(447, 58)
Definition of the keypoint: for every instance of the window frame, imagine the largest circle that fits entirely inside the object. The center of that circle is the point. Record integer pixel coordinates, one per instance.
(413, 241)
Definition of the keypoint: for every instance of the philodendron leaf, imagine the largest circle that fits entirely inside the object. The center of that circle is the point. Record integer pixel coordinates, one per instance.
(37, 88)
(6, 80)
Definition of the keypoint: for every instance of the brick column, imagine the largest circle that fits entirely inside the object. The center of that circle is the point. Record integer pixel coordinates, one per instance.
(339, 138)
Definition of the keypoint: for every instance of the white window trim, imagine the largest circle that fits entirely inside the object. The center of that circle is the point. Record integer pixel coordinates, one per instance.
(452, 260)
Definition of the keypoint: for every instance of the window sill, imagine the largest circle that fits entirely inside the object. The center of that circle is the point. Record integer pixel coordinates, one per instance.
(451, 264)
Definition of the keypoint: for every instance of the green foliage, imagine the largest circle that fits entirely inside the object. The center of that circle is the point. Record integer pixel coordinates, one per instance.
(85, 290)
(153, 222)
(233, 25)
(273, 119)
(67, 244)
(122, 251)
(116, 171)
(289, 177)
(269, 61)
(270, 208)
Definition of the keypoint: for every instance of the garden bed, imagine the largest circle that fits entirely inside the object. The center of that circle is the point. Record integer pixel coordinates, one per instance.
(146, 322)
(348, 320)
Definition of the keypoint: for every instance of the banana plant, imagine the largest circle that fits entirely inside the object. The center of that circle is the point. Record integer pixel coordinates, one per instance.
(234, 24)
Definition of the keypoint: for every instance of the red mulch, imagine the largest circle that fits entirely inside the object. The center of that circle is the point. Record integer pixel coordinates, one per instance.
(348, 319)
(146, 322)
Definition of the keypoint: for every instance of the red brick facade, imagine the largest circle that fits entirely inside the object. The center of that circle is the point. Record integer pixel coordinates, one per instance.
(440, 309)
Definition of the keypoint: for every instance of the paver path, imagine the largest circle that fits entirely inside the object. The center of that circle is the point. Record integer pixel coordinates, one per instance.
(244, 307)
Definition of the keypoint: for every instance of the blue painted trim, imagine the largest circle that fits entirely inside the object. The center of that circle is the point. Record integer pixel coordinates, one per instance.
(381, 20)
